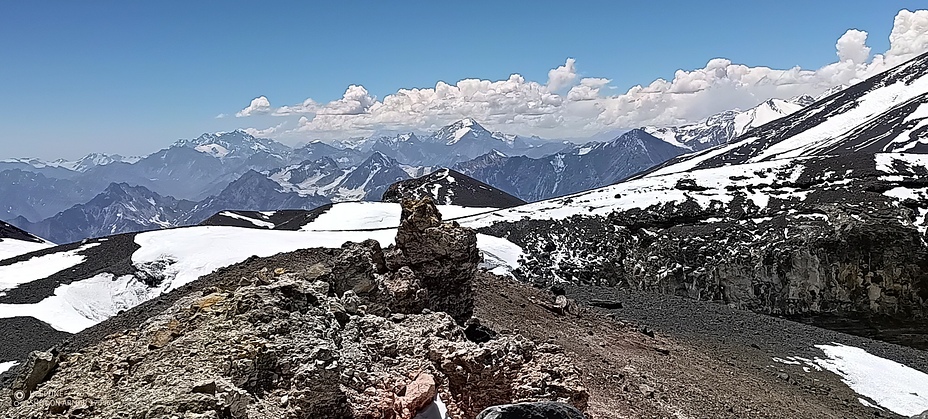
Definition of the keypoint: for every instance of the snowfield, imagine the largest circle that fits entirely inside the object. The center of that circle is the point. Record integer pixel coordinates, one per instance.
(196, 251)
(182, 255)
(375, 215)
(255, 222)
(882, 383)
(653, 190)
(10, 248)
(4, 366)
(891, 385)
(81, 304)
(40, 267)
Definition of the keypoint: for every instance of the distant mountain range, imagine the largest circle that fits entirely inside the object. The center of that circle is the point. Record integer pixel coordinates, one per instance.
(460, 141)
(124, 208)
(193, 179)
(595, 164)
(583, 167)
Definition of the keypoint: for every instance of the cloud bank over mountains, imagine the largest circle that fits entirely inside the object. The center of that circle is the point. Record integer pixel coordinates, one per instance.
(568, 105)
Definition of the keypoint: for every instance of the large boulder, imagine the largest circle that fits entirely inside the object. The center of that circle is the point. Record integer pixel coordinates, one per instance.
(36, 370)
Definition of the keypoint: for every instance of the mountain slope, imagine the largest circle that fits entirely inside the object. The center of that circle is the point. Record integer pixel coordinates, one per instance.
(122, 208)
(457, 142)
(584, 167)
(324, 177)
(15, 242)
(315, 150)
(885, 113)
(35, 196)
(253, 191)
(448, 187)
(234, 145)
(821, 213)
(370, 179)
(726, 126)
(93, 280)
(118, 209)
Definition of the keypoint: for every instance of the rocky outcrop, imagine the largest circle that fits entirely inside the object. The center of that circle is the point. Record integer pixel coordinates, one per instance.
(794, 258)
(443, 256)
(357, 334)
(35, 371)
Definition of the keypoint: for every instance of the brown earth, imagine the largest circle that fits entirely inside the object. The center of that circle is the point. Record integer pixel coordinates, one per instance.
(632, 375)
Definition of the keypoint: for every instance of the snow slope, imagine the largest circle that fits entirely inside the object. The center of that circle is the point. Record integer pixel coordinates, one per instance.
(449, 187)
(376, 215)
(890, 384)
(12, 247)
(726, 126)
(181, 255)
(39, 267)
(7, 365)
(886, 113)
(15, 241)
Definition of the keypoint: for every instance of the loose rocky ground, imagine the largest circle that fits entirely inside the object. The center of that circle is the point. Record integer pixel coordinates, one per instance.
(270, 336)
(704, 360)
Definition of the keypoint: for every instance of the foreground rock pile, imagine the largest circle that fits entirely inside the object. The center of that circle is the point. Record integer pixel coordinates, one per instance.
(365, 333)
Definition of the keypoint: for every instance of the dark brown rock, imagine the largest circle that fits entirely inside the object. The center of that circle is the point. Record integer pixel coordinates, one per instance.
(36, 371)
(444, 257)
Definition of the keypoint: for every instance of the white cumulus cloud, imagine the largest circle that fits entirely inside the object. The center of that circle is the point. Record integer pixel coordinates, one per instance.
(355, 101)
(563, 76)
(259, 105)
(519, 106)
(909, 34)
(263, 133)
(308, 106)
(853, 46)
(588, 89)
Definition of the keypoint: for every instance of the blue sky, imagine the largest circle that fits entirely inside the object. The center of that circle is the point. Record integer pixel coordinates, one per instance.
(132, 77)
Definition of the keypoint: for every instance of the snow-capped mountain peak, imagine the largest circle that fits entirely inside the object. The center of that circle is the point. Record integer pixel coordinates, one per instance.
(237, 144)
(768, 111)
(448, 187)
(457, 131)
(726, 126)
(887, 113)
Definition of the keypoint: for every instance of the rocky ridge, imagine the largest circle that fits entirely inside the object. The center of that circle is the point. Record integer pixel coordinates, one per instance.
(388, 326)
(449, 187)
